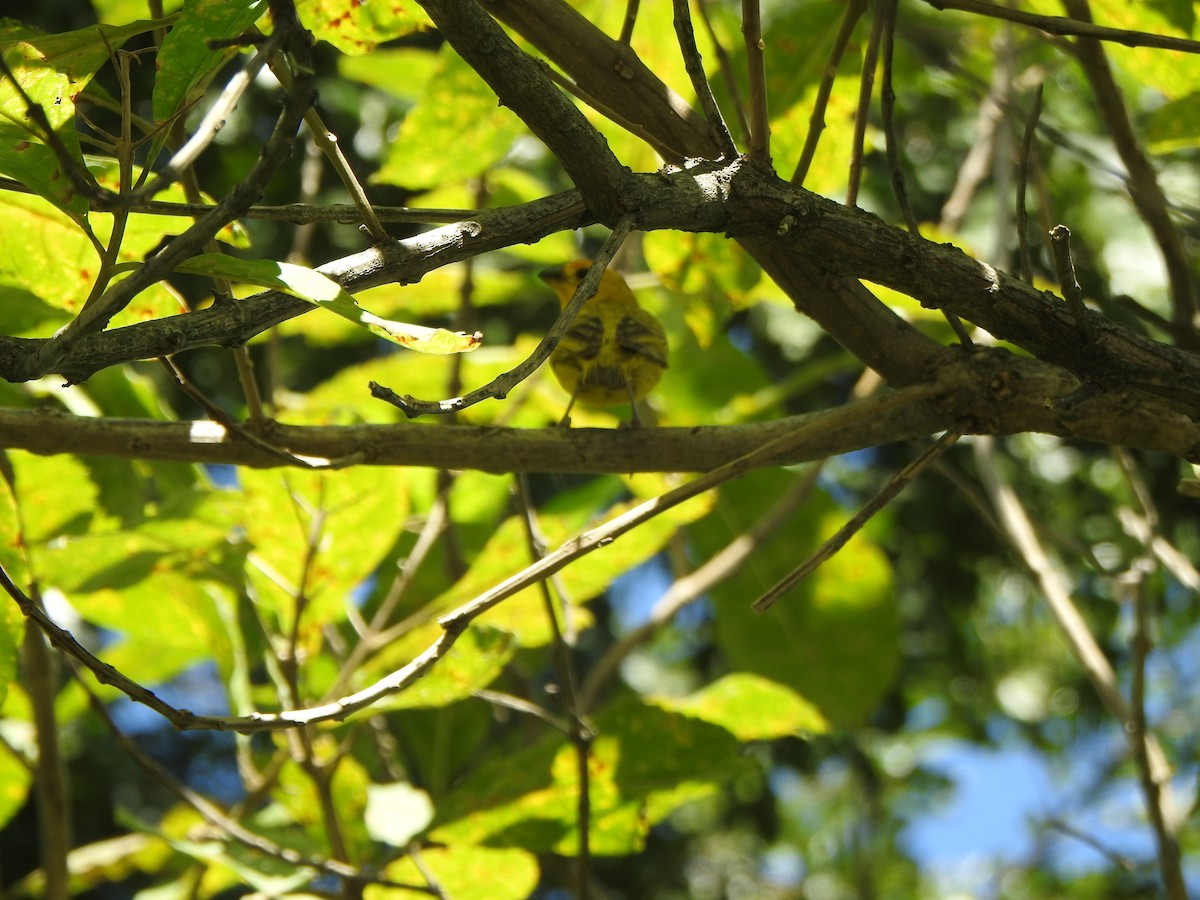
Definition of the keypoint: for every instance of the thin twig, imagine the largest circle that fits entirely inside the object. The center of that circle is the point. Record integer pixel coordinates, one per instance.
(245, 371)
(631, 13)
(866, 88)
(886, 13)
(53, 799)
(727, 74)
(123, 150)
(1117, 858)
(694, 64)
(816, 118)
(295, 213)
(581, 734)
(760, 125)
(230, 828)
(1052, 582)
(214, 120)
(529, 708)
(1028, 149)
(694, 585)
(242, 195)
(1063, 26)
(499, 387)
(1169, 864)
(602, 535)
(376, 635)
(895, 485)
(328, 143)
(227, 421)
(1060, 243)
(975, 167)
(1145, 191)
(581, 94)
(1144, 527)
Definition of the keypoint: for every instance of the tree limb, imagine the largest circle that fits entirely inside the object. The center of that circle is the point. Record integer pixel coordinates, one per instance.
(992, 391)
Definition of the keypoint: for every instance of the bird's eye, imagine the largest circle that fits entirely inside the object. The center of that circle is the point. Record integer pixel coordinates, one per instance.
(580, 272)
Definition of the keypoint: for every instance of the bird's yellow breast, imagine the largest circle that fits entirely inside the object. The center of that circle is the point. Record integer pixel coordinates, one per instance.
(615, 351)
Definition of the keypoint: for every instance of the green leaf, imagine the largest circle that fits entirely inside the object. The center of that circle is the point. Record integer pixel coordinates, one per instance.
(55, 496)
(356, 27)
(1175, 125)
(77, 55)
(645, 762)
(834, 639)
(751, 708)
(400, 71)
(457, 130)
(12, 633)
(297, 796)
(324, 292)
(46, 253)
(186, 60)
(156, 585)
(1144, 67)
(464, 873)
(507, 552)
(52, 70)
(397, 812)
(320, 534)
(475, 661)
(37, 167)
(15, 777)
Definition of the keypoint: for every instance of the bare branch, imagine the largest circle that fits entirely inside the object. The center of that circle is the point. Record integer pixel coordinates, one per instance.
(630, 20)
(866, 88)
(214, 120)
(520, 82)
(1063, 26)
(727, 74)
(1028, 151)
(277, 148)
(886, 13)
(816, 117)
(1060, 243)
(760, 123)
(1053, 584)
(1144, 190)
(580, 733)
(890, 491)
(611, 72)
(998, 392)
(695, 69)
(691, 587)
(1169, 865)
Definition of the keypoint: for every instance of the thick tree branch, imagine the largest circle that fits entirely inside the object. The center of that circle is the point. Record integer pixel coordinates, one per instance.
(522, 84)
(232, 324)
(986, 392)
(788, 228)
(842, 307)
(610, 71)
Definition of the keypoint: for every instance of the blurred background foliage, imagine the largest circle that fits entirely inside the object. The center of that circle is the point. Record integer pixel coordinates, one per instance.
(804, 753)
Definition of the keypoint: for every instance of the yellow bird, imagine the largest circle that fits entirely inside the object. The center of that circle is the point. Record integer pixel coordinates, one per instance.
(615, 351)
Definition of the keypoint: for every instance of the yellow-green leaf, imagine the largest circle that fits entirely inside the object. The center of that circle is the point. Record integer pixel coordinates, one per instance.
(751, 708)
(322, 291)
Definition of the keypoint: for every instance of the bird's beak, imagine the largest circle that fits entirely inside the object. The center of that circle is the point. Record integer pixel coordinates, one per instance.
(552, 275)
